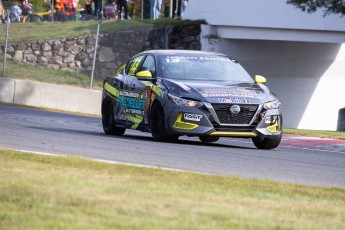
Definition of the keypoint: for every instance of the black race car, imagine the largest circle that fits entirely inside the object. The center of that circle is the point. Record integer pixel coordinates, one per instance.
(171, 93)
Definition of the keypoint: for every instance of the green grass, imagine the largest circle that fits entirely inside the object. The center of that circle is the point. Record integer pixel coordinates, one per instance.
(17, 70)
(40, 192)
(316, 133)
(46, 30)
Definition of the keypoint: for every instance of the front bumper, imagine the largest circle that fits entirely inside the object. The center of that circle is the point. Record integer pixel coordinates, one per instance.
(206, 121)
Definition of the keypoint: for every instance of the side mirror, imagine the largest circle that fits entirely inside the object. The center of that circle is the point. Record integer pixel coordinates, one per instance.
(260, 79)
(144, 75)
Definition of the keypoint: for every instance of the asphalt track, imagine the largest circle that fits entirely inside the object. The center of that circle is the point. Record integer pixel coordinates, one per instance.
(301, 160)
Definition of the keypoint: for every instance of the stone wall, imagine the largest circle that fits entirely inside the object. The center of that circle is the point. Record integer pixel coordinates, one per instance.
(114, 49)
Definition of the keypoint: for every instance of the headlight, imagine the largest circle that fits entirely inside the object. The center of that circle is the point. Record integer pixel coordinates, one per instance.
(184, 102)
(272, 104)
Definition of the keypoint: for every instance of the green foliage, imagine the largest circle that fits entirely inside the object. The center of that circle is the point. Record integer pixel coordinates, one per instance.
(39, 5)
(6, 4)
(328, 6)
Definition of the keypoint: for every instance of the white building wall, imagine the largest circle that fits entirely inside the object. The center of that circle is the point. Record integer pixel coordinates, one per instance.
(262, 14)
(307, 77)
(301, 54)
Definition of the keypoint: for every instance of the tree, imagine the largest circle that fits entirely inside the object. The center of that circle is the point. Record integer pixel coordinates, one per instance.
(38, 5)
(328, 6)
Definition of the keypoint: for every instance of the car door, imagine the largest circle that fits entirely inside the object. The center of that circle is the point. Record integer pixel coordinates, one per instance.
(124, 102)
(134, 98)
(142, 88)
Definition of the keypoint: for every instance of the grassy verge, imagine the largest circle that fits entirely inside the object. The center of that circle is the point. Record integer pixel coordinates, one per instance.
(45, 30)
(40, 192)
(316, 133)
(17, 70)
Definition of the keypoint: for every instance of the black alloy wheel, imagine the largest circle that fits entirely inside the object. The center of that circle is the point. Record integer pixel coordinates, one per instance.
(208, 139)
(108, 121)
(267, 143)
(157, 125)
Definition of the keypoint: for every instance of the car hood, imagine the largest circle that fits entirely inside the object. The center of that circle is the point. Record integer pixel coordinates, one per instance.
(220, 92)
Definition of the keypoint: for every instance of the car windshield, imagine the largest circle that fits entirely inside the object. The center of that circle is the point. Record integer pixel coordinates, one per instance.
(202, 68)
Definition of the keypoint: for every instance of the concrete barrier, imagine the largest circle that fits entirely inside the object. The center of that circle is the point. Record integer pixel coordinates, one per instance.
(67, 98)
(7, 89)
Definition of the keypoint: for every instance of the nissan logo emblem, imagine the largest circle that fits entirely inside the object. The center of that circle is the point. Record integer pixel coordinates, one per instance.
(235, 109)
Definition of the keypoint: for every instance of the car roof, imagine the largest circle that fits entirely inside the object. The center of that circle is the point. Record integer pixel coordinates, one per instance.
(182, 52)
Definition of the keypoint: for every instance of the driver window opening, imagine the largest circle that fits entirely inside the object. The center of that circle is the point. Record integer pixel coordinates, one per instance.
(149, 65)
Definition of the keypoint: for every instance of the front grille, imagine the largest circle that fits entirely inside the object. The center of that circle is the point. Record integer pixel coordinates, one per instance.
(226, 117)
(248, 128)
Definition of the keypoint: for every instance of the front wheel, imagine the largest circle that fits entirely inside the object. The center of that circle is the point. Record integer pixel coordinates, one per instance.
(208, 139)
(108, 121)
(267, 143)
(157, 125)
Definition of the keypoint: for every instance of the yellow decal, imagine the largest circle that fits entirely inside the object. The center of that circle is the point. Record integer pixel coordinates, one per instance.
(157, 90)
(274, 128)
(120, 69)
(135, 119)
(135, 65)
(179, 124)
(112, 90)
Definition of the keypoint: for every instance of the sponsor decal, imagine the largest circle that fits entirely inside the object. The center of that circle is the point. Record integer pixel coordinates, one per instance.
(234, 100)
(131, 102)
(135, 103)
(134, 111)
(143, 94)
(176, 58)
(146, 94)
(192, 117)
(128, 94)
(238, 93)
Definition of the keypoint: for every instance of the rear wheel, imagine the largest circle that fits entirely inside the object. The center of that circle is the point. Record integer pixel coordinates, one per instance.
(208, 139)
(108, 121)
(157, 125)
(267, 143)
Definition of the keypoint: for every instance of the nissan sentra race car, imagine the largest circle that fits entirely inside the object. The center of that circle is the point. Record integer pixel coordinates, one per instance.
(172, 93)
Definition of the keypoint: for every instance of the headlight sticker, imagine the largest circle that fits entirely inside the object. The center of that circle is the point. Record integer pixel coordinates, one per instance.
(272, 104)
(192, 117)
(184, 102)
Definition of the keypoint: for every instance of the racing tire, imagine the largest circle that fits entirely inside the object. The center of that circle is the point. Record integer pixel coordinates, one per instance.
(208, 139)
(267, 143)
(157, 125)
(108, 121)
